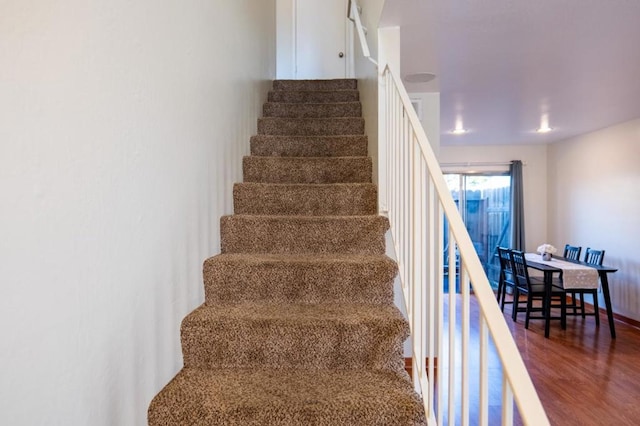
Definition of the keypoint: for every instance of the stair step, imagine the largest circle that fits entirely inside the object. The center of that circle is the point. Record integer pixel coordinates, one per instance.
(234, 278)
(314, 96)
(339, 199)
(279, 335)
(297, 85)
(287, 398)
(310, 126)
(307, 169)
(297, 110)
(303, 234)
(309, 146)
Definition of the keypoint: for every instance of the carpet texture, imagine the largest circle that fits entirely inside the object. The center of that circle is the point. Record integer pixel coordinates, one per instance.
(314, 96)
(307, 169)
(309, 146)
(274, 278)
(298, 325)
(310, 126)
(341, 109)
(287, 397)
(341, 199)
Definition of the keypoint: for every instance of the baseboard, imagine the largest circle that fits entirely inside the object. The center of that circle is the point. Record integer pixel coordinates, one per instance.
(617, 317)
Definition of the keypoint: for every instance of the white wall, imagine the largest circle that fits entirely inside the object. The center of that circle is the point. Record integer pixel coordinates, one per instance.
(122, 126)
(285, 53)
(367, 75)
(429, 116)
(534, 176)
(594, 201)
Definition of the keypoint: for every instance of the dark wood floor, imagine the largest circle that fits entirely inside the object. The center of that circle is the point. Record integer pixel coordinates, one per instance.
(583, 377)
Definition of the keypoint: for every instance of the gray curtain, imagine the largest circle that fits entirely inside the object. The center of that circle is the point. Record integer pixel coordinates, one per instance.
(517, 206)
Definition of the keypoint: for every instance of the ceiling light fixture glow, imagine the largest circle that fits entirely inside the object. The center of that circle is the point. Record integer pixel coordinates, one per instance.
(544, 124)
(459, 129)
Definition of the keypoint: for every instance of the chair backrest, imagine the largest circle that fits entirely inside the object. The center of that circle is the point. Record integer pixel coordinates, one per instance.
(594, 257)
(572, 252)
(504, 254)
(520, 269)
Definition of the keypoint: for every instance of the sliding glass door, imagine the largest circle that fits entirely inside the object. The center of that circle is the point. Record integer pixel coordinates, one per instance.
(484, 203)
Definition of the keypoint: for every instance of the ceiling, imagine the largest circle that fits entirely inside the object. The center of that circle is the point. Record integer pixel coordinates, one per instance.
(502, 65)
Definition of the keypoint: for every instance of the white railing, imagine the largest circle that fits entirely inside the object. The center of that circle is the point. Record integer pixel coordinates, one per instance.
(418, 202)
(353, 14)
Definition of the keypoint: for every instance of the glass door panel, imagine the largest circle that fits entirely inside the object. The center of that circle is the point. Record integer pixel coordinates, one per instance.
(484, 203)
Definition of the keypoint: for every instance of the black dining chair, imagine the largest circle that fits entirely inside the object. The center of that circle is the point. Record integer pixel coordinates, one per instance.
(534, 289)
(506, 277)
(572, 253)
(592, 257)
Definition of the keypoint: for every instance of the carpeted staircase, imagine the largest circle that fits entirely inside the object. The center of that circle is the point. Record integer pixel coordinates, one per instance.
(299, 325)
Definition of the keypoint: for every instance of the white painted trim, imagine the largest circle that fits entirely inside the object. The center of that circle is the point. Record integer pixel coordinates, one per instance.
(294, 37)
(417, 106)
(350, 52)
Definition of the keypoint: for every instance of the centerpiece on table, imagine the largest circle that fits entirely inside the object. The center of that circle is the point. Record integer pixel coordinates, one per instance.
(546, 250)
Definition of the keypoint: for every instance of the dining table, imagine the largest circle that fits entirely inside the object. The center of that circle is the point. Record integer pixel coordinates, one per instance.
(549, 268)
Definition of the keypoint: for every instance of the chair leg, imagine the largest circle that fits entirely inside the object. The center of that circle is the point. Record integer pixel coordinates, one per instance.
(582, 303)
(504, 297)
(572, 298)
(563, 312)
(501, 292)
(574, 303)
(514, 306)
(595, 307)
(527, 313)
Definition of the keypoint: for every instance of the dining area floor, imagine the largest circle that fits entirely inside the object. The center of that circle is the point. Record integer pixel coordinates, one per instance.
(582, 375)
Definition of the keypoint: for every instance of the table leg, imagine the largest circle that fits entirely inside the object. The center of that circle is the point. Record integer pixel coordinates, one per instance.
(548, 280)
(607, 301)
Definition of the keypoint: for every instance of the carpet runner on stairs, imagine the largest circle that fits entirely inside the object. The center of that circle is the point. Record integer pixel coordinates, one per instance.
(298, 325)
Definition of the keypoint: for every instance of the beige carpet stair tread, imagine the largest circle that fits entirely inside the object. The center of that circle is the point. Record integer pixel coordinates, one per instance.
(307, 169)
(318, 110)
(237, 277)
(303, 258)
(309, 146)
(285, 336)
(303, 234)
(341, 199)
(293, 313)
(287, 398)
(311, 126)
(314, 96)
(335, 84)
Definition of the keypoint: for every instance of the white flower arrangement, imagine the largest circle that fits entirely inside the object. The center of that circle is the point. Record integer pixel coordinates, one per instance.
(547, 248)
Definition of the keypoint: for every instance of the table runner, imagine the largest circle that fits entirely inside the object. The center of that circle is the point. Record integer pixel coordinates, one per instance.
(573, 275)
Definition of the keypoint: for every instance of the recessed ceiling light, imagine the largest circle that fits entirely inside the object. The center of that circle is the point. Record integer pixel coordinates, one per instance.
(544, 124)
(459, 129)
(419, 77)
